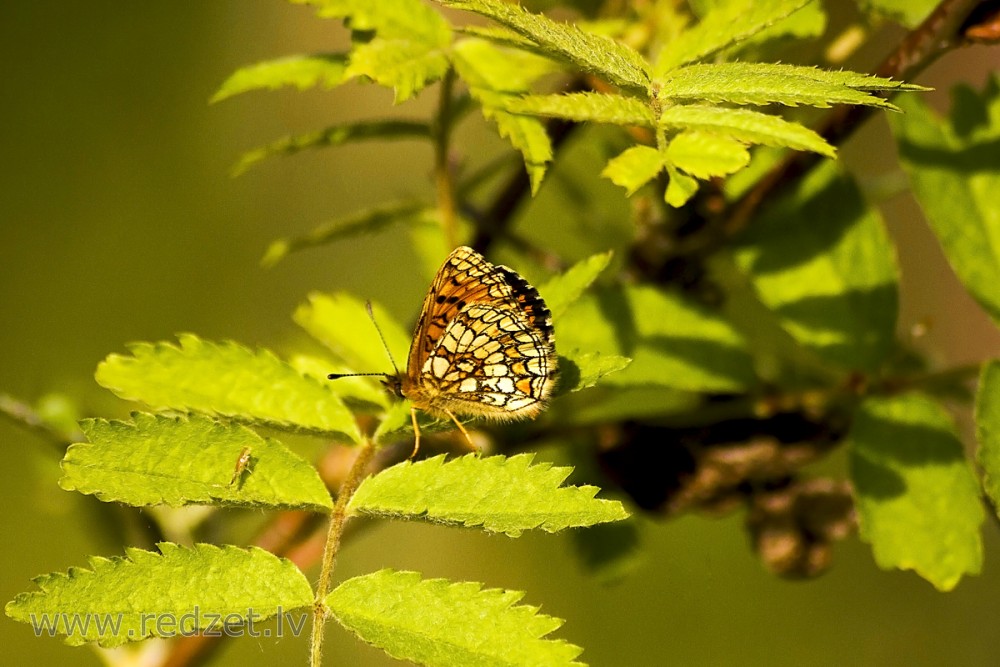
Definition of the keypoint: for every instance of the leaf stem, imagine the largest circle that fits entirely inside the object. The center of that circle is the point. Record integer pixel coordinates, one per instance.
(337, 520)
(443, 178)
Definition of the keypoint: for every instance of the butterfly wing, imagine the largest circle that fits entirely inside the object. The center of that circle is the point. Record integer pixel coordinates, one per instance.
(483, 343)
(490, 362)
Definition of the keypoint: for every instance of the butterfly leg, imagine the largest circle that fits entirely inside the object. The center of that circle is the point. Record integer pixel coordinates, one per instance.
(416, 431)
(461, 428)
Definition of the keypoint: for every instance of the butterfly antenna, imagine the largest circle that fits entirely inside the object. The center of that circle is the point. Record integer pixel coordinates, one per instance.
(371, 316)
(395, 369)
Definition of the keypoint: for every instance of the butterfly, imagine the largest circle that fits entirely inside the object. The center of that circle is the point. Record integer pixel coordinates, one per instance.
(482, 347)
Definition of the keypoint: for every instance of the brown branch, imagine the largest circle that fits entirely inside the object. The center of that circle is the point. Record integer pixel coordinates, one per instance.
(944, 30)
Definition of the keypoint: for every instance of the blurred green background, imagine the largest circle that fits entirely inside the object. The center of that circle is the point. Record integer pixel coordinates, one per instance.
(119, 222)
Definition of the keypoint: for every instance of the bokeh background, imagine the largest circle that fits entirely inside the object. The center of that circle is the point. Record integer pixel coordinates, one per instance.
(119, 222)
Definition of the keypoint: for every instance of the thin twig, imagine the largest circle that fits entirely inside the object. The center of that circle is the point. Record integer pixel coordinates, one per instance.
(337, 520)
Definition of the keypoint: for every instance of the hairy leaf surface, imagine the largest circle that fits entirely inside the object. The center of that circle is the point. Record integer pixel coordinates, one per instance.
(226, 379)
(499, 494)
(160, 460)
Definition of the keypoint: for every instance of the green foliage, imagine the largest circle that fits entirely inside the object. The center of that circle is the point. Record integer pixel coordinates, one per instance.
(952, 167)
(589, 52)
(744, 125)
(371, 221)
(160, 460)
(822, 261)
(917, 498)
(502, 495)
(497, 76)
(301, 71)
(120, 600)
(229, 380)
(702, 332)
(672, 342)
(758, 84)
(437, 622)
(341, 323)
(586, 107)
(564, 289)
(726, 24)
(335, 135)
(634, 167)
(704, 155)
(407, 50)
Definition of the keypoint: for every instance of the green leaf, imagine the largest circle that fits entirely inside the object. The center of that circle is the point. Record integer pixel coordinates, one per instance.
(704, 155)
(160, 460)
(770, 83)
(335, 135)
(988, 430)
(358, 392)
(370, 221)
(499, 494)
(561, 291)
(494, 77)
(953, 169)
(582, 370)
(727, 24)
(823, 262)
(407, 51)
(401, 64)
(592, 53)
(586, 107)
(672, 342)
(680, 187)
(340, 321)
(390, 19)
(146, 594)
(634, 167)
(437, 622)
(917, 498)
(226, 379)
(301, 71)
(748, 126)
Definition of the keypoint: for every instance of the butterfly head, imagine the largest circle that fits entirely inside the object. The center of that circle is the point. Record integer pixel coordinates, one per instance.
(394, 384)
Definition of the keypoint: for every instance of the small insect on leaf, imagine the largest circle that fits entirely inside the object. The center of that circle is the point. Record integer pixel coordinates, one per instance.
(243, 465)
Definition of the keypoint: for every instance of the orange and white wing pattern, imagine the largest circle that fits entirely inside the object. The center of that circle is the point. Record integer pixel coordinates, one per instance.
(483, 344)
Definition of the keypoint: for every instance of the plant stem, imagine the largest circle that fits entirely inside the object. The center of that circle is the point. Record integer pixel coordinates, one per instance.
(443, 178)
(337, 520)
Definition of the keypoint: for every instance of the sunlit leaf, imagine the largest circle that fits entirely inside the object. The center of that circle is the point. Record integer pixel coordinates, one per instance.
(159, 460)
(146, 594)
(437, 622)
(917, 498)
